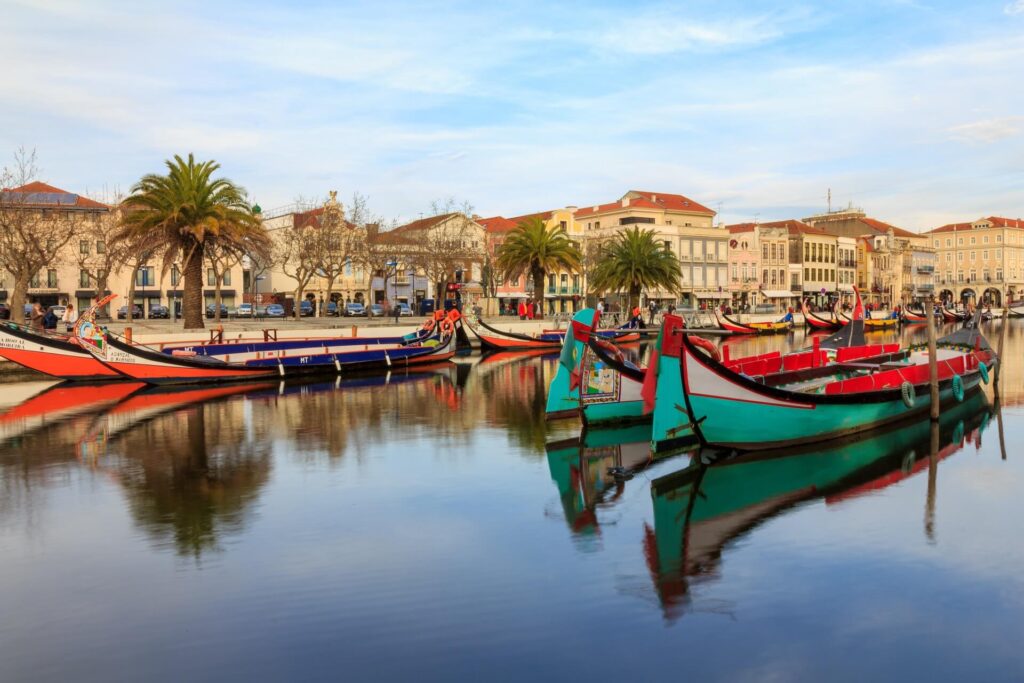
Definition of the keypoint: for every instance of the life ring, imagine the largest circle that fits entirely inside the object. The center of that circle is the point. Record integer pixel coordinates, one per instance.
(958, 388)
(908, 394)
(428, 326)
(447, 327)
(983, 369)
(706, 345)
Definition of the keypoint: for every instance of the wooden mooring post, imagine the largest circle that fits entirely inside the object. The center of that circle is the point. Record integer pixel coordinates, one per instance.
(933, 361)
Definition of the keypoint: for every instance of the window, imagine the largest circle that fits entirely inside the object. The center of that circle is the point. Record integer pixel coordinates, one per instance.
(999, 274)
(999, 253)
(83, 247)
(576, 283)
(973, 239)
(668, 245)
(949, 257)
(959, 256)
(960, 241)
(764, 276)
(83, 279)
(211, 277)
(562, 224)
(974, 275)
(227, 277)
(936, 244)
(807, 252)
(985, 275)
(949, 242)
(144, 276)
(101, 247)
(774, 277)
(984, 255)
(735, 272)
(597, 225)
(984, 239)
(51, 279)
(764, 252)
(973, 255)
(175, 276)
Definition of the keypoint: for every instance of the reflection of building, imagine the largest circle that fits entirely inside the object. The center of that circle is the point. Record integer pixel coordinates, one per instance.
(979, 260)
(683, 225)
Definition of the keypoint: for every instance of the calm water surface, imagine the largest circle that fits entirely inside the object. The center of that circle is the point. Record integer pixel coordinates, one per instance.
(433, 527)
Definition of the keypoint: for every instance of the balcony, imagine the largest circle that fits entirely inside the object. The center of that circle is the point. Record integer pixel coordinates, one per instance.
(926, 270)
(551, 289)
(563, 290)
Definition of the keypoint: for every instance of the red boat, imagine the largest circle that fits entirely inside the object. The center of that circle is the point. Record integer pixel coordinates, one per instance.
(51, 355)
(910, 317)
(952, 316)
(736, 327)
(816, 322)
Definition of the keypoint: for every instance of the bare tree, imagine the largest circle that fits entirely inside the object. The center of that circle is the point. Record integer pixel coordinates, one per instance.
(296, 254)
(33, 228)
(222, 259)
(445, 245)
(99, 254)
(339, 240)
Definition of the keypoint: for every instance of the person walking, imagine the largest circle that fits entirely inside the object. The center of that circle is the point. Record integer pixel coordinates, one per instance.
(652, 310)
(36, 318)
(600, 306)
(522, 309)
(396, 311)
(69, 317)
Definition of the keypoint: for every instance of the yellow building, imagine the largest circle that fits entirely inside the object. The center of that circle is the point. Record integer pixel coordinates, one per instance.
(979, 261)
(685, 226)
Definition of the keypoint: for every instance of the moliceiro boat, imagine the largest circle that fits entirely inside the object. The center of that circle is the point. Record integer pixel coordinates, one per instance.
(493, 339)
(785, 324)
(53, 355)
(702, 509)
(814, 321)
(729, 408)
(875, 324)
(594, 381)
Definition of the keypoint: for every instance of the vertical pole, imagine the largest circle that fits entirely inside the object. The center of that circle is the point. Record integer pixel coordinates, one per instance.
(933, 478)
(933, 363)
(1002, 338)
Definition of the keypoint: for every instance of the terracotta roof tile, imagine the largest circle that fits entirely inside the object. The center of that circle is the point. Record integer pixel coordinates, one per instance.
(496, 224)
(40, 187)
(647, 200)
(883, 227)
(996, 221)
(422, 223)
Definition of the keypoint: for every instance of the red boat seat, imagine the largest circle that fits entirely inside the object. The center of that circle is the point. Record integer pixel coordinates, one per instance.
(893, 379)
(855, 352)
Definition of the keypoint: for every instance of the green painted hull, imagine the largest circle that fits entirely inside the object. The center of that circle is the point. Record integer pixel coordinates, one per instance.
(701, 508)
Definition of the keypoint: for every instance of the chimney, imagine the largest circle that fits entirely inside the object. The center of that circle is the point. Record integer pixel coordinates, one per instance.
(625, 201)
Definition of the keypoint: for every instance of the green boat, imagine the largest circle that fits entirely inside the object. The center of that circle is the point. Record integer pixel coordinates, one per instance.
(700, 510)
(602, 394)
(592, 469)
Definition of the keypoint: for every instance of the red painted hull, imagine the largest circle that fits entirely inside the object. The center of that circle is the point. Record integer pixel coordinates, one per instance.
(51, 356)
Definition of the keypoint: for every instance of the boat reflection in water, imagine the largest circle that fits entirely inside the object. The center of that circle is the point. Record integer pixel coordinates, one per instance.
(701, 509)
(193, 460)
(592, 470)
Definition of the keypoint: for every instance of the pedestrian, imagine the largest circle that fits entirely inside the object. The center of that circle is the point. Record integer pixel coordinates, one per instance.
(652, 310)
(36, 316)
(600, 306)
(522, 309)
(50, 319)
(69, 317)
(671, 308)
(397, 311)
(531, 309)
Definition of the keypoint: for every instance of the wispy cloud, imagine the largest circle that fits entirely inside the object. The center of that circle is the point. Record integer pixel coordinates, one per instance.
(989, 130)
(1016, 7)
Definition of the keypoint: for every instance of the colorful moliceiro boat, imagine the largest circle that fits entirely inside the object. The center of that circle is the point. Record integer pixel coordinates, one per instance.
(875, 324)
(493, 339)
(588, 386)
(52, 355)
(785, 324)
(154, 367)
(814, 321)
(701, 510)
(728, 408)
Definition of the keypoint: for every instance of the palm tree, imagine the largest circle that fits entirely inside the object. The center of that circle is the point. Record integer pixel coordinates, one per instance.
(533, 248)
(635, 261)
(181, 214)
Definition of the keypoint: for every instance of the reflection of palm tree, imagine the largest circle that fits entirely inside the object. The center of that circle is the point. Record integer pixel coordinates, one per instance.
(184, 487)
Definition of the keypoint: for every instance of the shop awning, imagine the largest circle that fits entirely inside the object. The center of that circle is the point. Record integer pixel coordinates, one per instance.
(778, 293)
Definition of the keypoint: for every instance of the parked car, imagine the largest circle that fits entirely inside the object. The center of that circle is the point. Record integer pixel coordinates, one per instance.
(210, 311)
(375, 310)
(122, 313)
(274, 311)
(5, 312)
(244, 311)
(306, 308)
(332, 308)
(159, 311)
(355, 308)
(404, 309)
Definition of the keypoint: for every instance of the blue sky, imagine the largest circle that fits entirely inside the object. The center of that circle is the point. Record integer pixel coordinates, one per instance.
(913, 110)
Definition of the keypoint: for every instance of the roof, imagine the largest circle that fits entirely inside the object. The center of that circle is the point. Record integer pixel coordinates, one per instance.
(996, 221)
(647, 200)
(543, 215)
(496, 224)
(44, 195)
(741, 227)
(883, 227)
(868, 244)
(423, 223)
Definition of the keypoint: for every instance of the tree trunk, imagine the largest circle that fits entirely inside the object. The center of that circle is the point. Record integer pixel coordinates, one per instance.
(192, 299)
(297, 305)
(101, 291)
(538, 291)
(131, 295)
(327, 297)
(217, 297)
(18, 299)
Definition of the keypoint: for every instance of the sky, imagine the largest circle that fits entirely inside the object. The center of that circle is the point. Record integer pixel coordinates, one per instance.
(910, 109)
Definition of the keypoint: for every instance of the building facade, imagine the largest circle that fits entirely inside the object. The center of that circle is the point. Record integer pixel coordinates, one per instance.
(684, 226)
(981, 261)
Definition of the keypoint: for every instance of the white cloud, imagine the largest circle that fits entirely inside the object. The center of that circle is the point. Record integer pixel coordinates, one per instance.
(1016, 7)
(988, 130)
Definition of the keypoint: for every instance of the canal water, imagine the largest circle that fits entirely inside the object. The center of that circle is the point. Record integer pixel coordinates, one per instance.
(433, 527)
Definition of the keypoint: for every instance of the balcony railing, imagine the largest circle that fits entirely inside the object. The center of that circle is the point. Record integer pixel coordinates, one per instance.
(926, 269)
